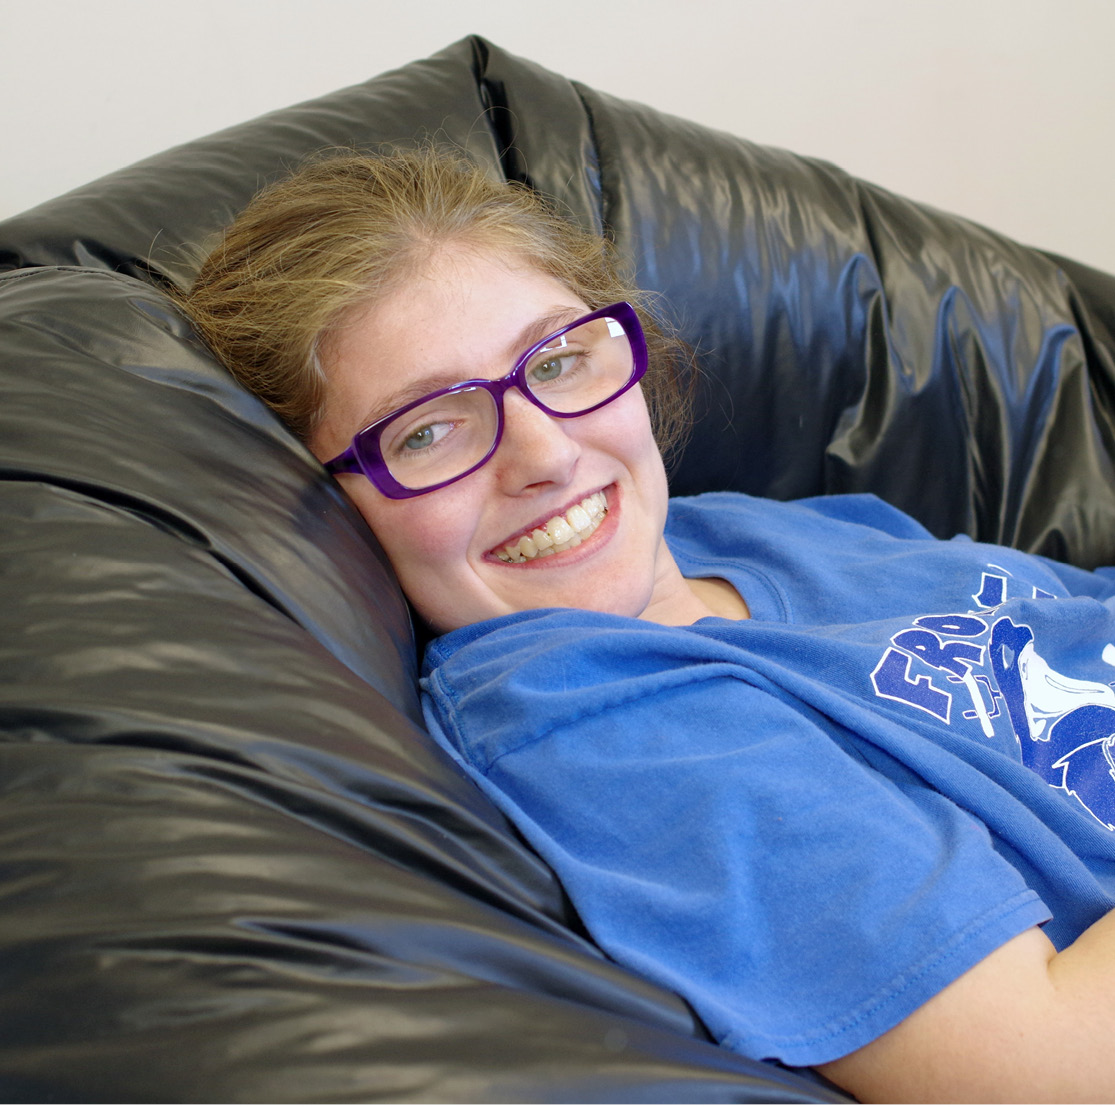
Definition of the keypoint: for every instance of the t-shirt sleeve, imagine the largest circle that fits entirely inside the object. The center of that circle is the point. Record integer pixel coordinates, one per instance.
(717, 839)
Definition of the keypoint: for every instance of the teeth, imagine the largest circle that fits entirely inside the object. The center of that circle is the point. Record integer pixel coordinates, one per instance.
(562, 532)
(579, 518)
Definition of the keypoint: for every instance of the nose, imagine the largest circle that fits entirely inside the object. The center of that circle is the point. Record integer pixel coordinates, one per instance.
(535, 449)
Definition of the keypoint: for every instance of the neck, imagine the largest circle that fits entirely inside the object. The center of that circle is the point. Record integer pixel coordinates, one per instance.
(678, 601)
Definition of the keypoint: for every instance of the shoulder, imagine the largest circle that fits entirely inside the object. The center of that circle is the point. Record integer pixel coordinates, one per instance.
(792, 561)
(512, 681)
(691, 516)
(562, 649)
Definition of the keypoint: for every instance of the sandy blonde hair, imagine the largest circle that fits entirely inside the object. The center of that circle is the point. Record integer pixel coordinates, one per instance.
(348, 229)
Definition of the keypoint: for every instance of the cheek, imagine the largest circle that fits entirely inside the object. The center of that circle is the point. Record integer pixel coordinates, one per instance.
(409, 531)
(426, 539)
(623, 430)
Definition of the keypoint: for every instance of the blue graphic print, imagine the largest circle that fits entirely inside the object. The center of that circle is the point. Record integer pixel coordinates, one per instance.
(1063, 726)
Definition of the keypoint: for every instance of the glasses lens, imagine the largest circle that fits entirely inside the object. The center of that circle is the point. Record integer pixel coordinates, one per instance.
(440, 439)
(581, 368)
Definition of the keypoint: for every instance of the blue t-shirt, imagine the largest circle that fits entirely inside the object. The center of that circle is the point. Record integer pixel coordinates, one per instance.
(809, 822)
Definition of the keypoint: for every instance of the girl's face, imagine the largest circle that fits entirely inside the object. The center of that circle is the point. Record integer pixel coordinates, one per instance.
(469, 316)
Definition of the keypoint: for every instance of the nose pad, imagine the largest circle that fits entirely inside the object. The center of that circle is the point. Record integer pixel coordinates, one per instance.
(536, 448)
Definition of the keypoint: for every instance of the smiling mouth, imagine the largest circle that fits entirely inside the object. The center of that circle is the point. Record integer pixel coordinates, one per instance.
(561, 533)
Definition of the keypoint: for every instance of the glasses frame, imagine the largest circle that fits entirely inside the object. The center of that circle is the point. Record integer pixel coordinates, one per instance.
(364, 456)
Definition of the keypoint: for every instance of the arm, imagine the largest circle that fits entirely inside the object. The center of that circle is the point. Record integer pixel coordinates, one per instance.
(1025, 1024)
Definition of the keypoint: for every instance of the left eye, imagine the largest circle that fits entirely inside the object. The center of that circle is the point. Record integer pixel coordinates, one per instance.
(550, 369)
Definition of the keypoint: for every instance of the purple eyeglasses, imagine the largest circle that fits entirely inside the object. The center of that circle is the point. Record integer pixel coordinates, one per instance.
(448, 434)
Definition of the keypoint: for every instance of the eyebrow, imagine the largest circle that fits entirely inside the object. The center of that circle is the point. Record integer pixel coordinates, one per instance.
(534, 331)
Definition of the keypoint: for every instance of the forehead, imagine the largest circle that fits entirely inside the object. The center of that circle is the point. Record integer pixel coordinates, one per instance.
(459, 287)
(465, 315)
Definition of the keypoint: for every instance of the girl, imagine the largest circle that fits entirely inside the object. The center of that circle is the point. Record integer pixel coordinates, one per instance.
(845, 787)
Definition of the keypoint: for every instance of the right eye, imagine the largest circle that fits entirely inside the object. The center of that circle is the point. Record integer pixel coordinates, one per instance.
(421, 439)
(415, 440)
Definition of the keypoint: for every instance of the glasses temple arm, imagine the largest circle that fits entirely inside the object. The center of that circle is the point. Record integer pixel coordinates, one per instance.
(344, 463)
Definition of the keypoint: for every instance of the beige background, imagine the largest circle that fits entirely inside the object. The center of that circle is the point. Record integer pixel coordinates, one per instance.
(1000, 110)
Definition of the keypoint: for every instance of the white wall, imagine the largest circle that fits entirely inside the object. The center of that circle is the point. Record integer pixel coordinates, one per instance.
(1001, 110)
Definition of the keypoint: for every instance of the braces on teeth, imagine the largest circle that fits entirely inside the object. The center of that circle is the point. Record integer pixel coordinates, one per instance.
(561, 533)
